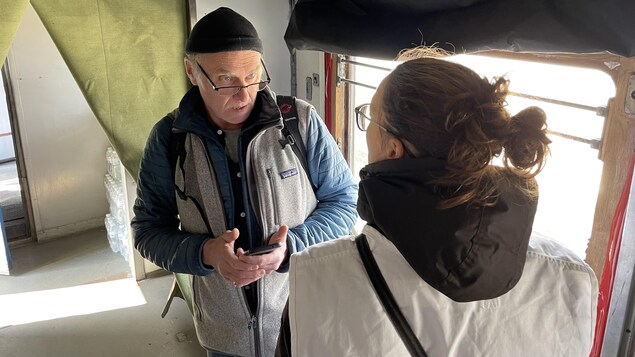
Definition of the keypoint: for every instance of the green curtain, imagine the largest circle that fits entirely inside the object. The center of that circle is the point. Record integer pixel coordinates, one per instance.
(10, 15)
(127, 58)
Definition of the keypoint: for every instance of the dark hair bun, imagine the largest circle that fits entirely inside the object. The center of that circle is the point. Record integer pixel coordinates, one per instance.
(526, 145)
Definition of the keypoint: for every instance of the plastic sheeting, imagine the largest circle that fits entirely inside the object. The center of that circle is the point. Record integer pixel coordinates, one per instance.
(381, 28)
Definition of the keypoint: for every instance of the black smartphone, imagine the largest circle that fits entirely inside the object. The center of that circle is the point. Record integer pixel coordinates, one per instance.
(263, 249)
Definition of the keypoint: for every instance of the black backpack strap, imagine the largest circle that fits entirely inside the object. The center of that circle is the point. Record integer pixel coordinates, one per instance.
(387, 299)
(176, 151)
(291, 131)
(176, 142)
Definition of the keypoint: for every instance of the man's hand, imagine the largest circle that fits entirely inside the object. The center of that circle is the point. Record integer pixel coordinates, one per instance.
(270, 262)
(219, 253)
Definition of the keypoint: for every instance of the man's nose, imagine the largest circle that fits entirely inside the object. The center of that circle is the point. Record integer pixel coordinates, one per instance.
(242, 92)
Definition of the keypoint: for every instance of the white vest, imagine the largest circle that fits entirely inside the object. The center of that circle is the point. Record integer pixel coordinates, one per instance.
(334, 311)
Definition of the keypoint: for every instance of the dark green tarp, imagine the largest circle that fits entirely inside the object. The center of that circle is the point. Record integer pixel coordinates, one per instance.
(381, 28)
(126, 57)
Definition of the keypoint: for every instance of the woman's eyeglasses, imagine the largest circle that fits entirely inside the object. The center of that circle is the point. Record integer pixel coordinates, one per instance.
(363, 120)
(362, 117)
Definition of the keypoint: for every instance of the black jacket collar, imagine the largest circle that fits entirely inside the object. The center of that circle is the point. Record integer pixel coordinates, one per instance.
(466, 253)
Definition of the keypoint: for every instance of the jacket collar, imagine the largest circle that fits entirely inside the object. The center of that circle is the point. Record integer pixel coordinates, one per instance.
(466, 253)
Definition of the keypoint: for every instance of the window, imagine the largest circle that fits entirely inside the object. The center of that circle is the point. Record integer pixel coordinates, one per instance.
(572, 97)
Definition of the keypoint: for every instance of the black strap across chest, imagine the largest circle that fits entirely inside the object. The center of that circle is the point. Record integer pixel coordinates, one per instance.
(387, 299)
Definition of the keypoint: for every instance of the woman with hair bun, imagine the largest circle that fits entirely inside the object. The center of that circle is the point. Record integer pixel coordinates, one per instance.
(449, 230)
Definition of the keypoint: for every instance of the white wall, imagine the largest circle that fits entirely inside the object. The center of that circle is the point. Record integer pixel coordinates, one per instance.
(309, 63)
(64, 146)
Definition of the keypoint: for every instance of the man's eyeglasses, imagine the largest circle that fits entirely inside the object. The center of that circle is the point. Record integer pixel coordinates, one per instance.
(232, 90)
(362, 118)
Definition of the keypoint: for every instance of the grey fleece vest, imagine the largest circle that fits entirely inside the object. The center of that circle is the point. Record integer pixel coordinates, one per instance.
(280, 193)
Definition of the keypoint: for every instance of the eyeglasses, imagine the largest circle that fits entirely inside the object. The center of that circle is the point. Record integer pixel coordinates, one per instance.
(362, 118)
(232, 90)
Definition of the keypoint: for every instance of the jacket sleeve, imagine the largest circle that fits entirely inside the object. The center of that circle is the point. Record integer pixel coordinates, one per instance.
(335, 214)
(155, 226)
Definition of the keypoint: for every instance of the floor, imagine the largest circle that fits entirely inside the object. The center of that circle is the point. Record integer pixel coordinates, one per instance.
(73, 296)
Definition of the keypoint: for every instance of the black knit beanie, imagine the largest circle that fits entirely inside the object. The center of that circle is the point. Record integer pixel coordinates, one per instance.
(223, 30)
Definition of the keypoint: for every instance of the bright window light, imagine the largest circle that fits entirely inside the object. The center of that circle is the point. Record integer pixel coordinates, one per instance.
(570, 182)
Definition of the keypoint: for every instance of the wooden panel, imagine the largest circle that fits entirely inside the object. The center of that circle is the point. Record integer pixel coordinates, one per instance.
(337, 104)
(617, 150)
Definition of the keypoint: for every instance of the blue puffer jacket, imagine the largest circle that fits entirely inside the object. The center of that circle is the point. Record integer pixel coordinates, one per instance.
(156, 225)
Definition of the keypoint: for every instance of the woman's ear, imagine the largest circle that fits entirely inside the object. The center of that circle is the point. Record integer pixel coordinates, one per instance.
(395, 148)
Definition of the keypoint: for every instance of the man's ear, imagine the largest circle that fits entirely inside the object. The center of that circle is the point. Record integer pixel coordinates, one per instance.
(189, 70)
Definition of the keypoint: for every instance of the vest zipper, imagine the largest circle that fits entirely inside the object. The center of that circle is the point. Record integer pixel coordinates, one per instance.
(254, 324)
(253, 321)
(274, 197)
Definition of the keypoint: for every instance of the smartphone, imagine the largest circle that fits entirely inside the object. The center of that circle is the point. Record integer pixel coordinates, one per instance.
(263, 249)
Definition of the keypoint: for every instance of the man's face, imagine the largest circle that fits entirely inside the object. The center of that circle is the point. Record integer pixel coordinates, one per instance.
(235, 68)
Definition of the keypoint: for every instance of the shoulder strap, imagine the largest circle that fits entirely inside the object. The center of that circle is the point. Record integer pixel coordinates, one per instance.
(176, 157)
(387, 300)
(291, 131)
(176, 142)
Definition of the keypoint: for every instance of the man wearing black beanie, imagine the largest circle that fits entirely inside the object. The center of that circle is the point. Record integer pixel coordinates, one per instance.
(220, 178)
